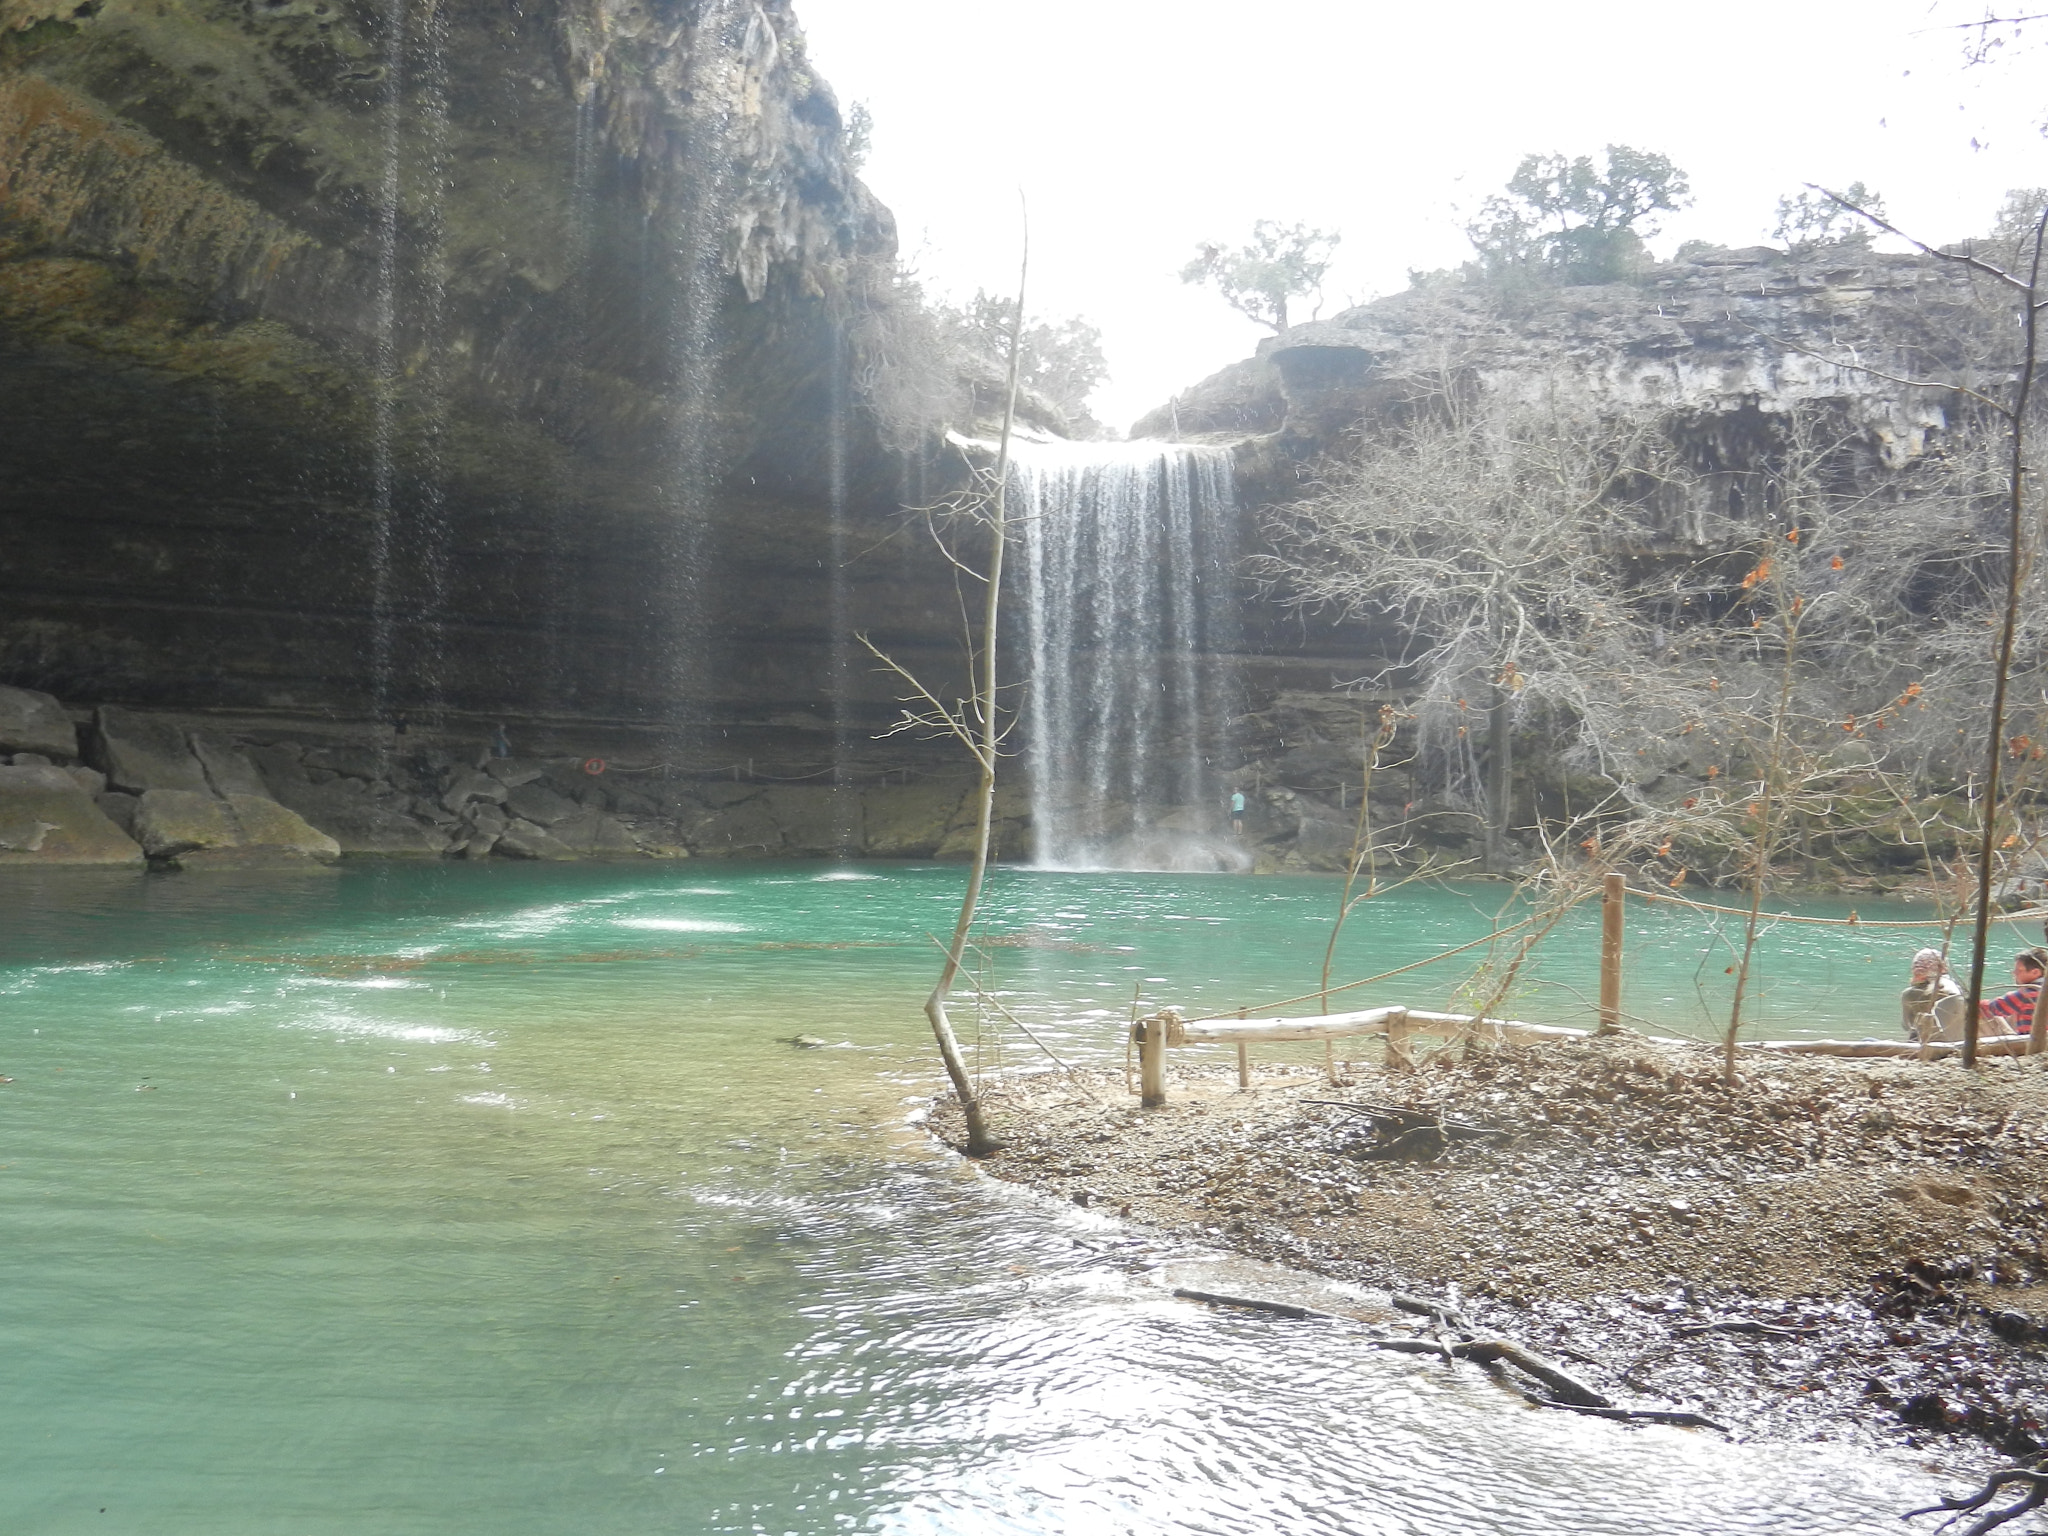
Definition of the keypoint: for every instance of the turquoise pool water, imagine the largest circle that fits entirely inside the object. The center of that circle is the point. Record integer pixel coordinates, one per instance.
(454, 1199)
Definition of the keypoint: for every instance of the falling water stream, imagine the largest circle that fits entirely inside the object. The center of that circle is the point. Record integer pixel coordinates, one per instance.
(1129, 560)
(845, 805)
(408, 542)
(453, 1199)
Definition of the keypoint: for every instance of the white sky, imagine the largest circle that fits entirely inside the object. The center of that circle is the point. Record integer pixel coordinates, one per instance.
(1136, 128)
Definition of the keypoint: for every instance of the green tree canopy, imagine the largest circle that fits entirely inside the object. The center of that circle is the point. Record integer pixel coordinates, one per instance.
(1060, 361)
(1574, 221)
(1813, 221)
(1280, 262)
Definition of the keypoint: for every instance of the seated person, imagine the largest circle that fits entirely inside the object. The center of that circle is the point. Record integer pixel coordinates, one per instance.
(2016, 1009)
(1931, 983)
(1945, 1021)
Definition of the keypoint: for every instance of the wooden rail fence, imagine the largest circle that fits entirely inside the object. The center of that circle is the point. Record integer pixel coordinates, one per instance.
(1401, 1025)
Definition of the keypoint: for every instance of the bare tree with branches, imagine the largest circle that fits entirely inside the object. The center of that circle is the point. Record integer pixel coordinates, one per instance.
(977, 721)
(2014, 405)
(1491, 531)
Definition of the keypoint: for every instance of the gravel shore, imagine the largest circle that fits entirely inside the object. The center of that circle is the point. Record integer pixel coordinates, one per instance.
(1829, 1249)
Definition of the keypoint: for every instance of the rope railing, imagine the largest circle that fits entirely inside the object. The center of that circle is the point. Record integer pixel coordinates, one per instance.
(1366, 981)
(1851, 921)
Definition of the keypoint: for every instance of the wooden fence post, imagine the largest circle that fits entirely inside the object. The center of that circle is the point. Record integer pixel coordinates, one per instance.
(1611, 900)
(1399, 1057)
(1152, 1061)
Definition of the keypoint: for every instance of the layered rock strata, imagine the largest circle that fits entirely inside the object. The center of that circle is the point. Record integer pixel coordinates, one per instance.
(210, 792)
(437, 356)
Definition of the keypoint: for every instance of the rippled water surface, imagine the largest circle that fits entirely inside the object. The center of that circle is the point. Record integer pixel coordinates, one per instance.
(452, 1199)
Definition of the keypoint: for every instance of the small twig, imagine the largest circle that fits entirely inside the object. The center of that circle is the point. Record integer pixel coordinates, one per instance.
(1742, 1325)
(1679, 1417)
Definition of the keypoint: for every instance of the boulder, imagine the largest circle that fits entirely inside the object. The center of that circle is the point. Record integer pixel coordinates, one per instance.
(719, 793)
(279, 762)
(245, 856)
(1323, 838)
(264, 823)
(539, 804)
(228, 771)
(628, 800)
(523, 840)
(46, 818)
(91, 780)
(1009, 827)
(747, 828)
(466, 784)
(488, 819)
(119, 809)
(170, 822)
(351, 759)
(35, 722)
(593, 832)
(815, 819)
(143, 752)
(909, 821)
(345, 811)
(514, 771)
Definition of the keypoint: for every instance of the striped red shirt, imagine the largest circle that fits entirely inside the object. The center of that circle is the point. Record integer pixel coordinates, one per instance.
(2016, 1007)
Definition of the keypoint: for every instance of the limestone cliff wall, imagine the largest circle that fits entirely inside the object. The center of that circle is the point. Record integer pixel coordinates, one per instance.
(432, 356)
(1725, 345)
(1715, 338)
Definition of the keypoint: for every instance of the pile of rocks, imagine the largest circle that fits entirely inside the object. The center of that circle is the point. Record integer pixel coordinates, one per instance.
(137, 788)
(120, 786)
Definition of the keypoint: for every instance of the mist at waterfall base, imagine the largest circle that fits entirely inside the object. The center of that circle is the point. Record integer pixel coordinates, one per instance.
(449, 1198)
(1129, 572)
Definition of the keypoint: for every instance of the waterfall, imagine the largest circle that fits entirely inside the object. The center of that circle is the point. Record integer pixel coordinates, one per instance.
(1129, 556)
(408, 543)
(845, 800)
(724, 38)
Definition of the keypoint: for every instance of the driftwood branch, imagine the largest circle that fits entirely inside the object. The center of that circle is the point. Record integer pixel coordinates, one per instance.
(1566, 1388)
(1682, 1418)
(1562, 1389)
(1256, 1304)
(2033, 1479)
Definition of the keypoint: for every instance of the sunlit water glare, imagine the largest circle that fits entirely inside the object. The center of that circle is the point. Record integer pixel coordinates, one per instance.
(449, 1199)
